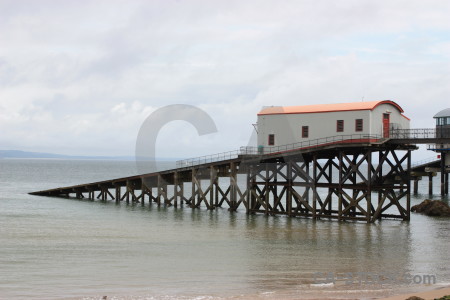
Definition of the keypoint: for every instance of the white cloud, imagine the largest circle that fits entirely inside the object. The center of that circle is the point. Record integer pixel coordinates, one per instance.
(80, 77)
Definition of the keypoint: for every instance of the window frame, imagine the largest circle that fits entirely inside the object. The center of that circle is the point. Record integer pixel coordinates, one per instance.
(271, 139)
(359, 128)
(305, 132)
(340, 126)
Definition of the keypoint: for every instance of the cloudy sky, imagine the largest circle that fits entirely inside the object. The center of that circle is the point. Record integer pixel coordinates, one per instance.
(80, 77)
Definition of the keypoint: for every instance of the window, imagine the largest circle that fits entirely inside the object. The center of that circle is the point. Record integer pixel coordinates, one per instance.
(440, 121)
(271, 139)
(443, 121)
(305, 131)
(359, 125)
(340, 126)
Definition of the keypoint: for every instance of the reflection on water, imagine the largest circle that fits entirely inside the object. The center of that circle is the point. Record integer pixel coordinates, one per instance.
(53, 248)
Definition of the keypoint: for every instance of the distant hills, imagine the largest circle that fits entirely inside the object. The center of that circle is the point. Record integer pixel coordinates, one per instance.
(25, 154)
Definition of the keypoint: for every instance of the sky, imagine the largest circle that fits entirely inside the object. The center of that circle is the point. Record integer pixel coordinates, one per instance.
(80, 77)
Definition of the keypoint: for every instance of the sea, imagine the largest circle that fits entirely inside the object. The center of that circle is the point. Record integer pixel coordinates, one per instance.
(63, 248)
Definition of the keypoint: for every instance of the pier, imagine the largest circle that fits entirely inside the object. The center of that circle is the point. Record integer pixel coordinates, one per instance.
(345, 177)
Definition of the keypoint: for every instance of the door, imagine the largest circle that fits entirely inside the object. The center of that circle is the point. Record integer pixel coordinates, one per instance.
(386, 125)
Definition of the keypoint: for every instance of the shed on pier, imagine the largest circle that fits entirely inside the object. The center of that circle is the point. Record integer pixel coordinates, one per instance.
(443, 131)
(279, 125)
(442, 122)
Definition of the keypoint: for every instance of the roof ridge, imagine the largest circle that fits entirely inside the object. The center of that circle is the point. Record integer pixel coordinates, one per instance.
(332, 107)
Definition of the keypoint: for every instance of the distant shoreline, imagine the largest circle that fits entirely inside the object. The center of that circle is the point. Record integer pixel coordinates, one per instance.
(65, 158)
(18, 154)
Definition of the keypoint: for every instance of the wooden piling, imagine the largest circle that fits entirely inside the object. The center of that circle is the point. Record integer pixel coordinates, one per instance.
(408, 185)
(212, 177)
(175, 188)
(193, 193)
(233, 187)
(442, 173)
(430, 183)
(446, 183)
(416, 186)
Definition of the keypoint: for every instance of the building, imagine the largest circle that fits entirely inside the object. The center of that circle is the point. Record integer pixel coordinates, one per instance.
(442, 122)
(443, 131)
(278, 125)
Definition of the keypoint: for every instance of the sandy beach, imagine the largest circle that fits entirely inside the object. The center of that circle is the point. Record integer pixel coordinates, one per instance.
(427, 295)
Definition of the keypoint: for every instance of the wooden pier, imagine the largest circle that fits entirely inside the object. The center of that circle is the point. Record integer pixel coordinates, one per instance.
(361, 178)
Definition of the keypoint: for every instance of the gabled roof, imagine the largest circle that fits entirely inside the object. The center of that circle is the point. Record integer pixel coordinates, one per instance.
(321, 108)
(443, 113)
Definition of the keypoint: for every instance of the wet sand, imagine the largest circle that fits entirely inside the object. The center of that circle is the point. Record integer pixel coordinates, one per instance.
(427, 295)
(334, 295)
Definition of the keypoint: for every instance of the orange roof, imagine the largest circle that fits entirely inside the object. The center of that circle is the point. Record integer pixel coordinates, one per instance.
(321, 108)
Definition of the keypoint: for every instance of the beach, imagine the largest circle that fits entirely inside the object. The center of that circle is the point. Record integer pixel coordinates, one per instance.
(427, 295)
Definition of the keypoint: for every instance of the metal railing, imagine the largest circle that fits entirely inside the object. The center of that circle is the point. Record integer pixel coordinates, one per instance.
(353, 138)
(321, 142)
(438, 147)
(212, 158)
(420, 133)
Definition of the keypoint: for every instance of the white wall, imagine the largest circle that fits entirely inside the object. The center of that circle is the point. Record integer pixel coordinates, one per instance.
(396, 118)
(288, 127)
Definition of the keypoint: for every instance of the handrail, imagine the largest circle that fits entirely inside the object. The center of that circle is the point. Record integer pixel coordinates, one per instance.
(438, 147)
(317, 142)
(420, 133)
(355, 138)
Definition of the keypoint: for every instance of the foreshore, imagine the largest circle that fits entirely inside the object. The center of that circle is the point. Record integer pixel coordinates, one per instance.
(427, 295)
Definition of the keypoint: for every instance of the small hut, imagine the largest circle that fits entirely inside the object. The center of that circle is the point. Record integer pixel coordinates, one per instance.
(279, 125)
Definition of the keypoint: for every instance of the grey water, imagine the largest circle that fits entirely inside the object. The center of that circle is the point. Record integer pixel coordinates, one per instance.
(56, 248)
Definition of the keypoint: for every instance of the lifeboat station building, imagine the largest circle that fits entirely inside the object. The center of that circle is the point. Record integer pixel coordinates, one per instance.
(277, 125)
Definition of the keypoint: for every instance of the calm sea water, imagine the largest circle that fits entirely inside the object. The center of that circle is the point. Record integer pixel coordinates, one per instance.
(52, 248)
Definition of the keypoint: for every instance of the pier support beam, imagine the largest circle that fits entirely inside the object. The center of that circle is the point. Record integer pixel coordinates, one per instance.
(118, 196)
(289, 188)
(430, 183)
(160, 193)
(143, 192)
(176, 188)
(233, 187)
(408, 185)
(443, 173)
(446, 183)
(416, 185)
